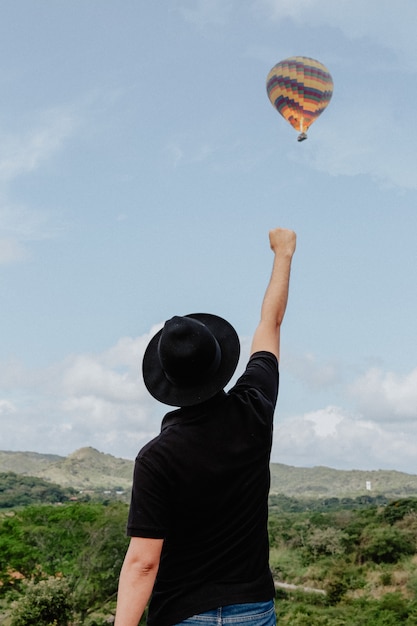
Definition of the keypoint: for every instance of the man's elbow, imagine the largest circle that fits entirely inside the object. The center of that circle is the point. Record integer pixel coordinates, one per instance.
(147, 568)
(143, 567)
(143, 556)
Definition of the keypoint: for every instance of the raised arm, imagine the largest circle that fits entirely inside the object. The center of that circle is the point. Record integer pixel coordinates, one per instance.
(267, 334)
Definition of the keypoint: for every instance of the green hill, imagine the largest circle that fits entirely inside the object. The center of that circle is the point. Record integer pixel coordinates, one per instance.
(88, 468)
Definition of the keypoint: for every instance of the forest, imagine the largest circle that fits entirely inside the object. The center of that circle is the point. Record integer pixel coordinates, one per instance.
(335, 562)
(17, 490)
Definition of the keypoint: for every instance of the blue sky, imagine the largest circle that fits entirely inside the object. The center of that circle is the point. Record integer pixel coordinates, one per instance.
(141, 167)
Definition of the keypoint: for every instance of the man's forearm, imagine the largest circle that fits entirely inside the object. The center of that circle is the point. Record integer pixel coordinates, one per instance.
(137, 579)
(135, 588)
(276, 296)
(274, 304)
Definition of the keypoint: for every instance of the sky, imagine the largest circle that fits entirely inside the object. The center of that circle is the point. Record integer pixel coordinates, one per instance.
(141, 168)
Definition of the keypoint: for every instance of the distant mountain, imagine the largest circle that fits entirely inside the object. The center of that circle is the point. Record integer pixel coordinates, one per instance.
(26, 462)
(325, 482)
(88, 468)
(85, 468)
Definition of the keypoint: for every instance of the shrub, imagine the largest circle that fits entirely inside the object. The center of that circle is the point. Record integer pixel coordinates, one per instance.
(385, 544)
(46, 603)
(325, 541)
(386, 578)
(395, 603)
(343, 577)
(336, 588)
(412, 584)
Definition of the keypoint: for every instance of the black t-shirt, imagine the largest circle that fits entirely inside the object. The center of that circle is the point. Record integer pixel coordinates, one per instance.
(202, 485)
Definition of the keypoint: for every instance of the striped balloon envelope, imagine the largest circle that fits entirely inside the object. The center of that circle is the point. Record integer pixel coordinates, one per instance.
(300, 89)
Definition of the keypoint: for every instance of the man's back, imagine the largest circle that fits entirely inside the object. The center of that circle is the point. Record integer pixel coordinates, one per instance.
(213, 463)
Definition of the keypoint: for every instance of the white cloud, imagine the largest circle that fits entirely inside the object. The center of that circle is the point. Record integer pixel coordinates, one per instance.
(380, 433)
(88, 399)
(359, 145)
(6, 407)
(189, 150)
(374, 19)
(325, 422)
(88, 377)
(23, 152)
(11, 251)
(335, 438)
(386, 396)
(315, 375)
(104, 398)
(175, 153)
(19, 226)
(100, 400)
(206, 12)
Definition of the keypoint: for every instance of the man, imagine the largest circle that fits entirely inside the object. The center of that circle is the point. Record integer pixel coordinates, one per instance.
(198, 515)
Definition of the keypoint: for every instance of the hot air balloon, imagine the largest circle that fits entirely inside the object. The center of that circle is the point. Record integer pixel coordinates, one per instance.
(300, 89)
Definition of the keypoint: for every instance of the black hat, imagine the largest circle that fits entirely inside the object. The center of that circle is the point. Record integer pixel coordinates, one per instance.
(190, 359)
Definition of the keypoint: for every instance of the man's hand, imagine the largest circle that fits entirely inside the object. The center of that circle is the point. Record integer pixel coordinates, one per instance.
(283, 241)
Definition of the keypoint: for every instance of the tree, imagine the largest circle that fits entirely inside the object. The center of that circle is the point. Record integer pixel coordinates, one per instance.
(18, 490)
(83, 543)
(96, 571)
(398, 509)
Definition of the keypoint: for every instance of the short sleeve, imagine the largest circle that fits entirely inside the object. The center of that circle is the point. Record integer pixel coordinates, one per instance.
(262, 375)
(149, 506)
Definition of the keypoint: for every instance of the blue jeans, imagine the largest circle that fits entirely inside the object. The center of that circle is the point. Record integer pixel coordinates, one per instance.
(255, 614)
